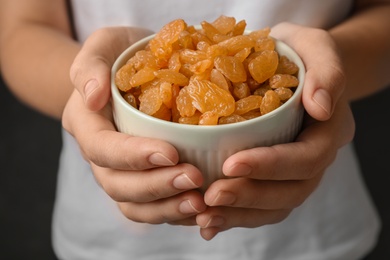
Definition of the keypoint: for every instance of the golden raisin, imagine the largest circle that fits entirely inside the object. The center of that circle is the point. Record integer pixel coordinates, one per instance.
(150, 100)
(161, 44)
(264, 44)
(219, 79)
(209, 30)
(174, 62)
(131, 99)
(163, 113)
(171, 76)
(231, 68)
(201, 66)
(174, 111)
(237, 43)
(239, 28)
(192, 56)
(206, 96)
(208, 118)
(224, 24)
(166, 93)
(123, 76)
(251, 114)
(233, 118)
(247, 104)
(283, 80)
(270, 102)
(263, 66)
(262, 33)
(243, 54)
(284, 93)
(184, 103)
(286, 66)
(144, 59)
(241, 90)
(185, 41)
(191, 120)
(260, 91)
(141, 77)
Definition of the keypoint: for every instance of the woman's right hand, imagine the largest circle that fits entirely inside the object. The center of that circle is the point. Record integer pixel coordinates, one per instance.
(141, 174)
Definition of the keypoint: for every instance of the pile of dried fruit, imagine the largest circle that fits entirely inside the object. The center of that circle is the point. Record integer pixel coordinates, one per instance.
(212, 75)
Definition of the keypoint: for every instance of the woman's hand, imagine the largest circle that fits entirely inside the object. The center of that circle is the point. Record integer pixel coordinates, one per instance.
(141, 174)
(271, 181)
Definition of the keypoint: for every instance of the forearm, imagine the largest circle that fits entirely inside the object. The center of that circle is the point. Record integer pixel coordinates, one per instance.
(37, 50)
(364, 44)
(37, 71)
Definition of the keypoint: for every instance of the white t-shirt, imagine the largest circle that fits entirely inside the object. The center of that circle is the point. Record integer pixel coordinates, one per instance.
(337, 221)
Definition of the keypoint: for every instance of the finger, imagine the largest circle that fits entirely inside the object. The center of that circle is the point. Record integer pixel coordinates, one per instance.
(325, 79)
(147, 186)
(314, 149)
(108, 148)
(190, 221)
(90, 72)
(300, 160)
(266, 195)
(323, 87)
(273, 163)
(174, 209)
(218, 219)
(104, 146)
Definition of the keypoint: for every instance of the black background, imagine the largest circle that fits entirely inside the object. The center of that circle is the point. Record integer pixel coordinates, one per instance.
(29, 149)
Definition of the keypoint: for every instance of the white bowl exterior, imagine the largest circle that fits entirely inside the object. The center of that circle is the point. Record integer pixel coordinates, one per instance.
(207, 147)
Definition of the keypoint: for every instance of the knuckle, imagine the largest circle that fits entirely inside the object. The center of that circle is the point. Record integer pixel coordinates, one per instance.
(255, 202)
(317, 160)
(113, 193)
(158, 219)
(100, 32)
(89, 155)
(75, 71)
(339, 80)
(153, 192)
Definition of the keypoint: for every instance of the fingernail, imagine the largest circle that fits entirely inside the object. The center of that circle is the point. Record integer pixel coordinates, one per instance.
(323, 99)
(240, 169)
(186, 207)
(90, 87)
(159, 159)
(215, 221)
(183, 182)
(224, 198)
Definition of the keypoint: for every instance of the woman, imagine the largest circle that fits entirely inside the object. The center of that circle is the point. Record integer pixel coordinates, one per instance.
(303, 200)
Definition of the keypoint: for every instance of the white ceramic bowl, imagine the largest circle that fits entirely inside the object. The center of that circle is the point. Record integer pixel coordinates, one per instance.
(207, 147)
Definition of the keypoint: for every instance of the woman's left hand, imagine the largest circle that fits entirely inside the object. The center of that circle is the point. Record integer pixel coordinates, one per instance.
(271, 181)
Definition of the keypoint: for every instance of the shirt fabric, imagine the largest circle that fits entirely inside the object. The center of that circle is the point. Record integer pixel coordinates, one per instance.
(337, 221)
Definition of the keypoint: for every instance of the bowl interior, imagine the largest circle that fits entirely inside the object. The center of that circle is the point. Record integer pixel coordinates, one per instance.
(281, 48)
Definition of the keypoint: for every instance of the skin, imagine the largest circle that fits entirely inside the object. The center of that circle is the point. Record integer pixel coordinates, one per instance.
(334, 78)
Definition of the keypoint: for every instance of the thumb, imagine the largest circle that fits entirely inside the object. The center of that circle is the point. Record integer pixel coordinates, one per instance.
(91, 69)
(325, 78)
